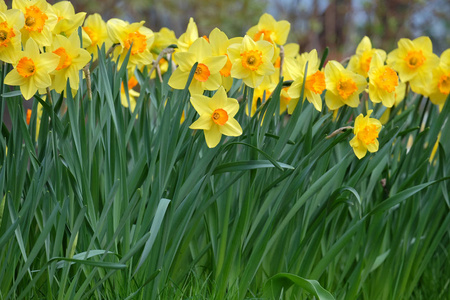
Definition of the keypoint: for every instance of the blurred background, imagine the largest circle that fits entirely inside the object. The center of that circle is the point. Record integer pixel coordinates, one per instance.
(315, 24)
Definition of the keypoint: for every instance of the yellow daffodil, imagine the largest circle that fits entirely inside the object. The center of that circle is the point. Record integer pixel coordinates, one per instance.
(189, 37)
(285, 99)
(382, 82)
(366, 132)
(251, 61)
(360, 62)
(32, 70)
(40, 20)
(72, 59)
(399, 95)
(216, 116)
(290, 52)
(95, 27)
(68, 20)
(207, 75)
(11, 21)
(164, 38)
(314, 83)
(440, 83)
(135, 36)
(343, 86)
(270, 30)
(266, 87)
(132, 82)
(219, 44)
(414, 61)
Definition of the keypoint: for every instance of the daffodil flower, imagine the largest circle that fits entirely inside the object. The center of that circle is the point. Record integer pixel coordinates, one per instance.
(270, 30)
(40, 20)
(135, 36)
(366, 132)
(189, 37)
(132, 82)
(219, 44)
(440, 83)
(72, 59)
(314, 83)
(68, 20)
(11, 21)
(383, 81)
(251, 60)
(32, 70)
(343, 86)
(216, 116)
(95, 28)
(206, 77)
(360, 62)
(414, 61)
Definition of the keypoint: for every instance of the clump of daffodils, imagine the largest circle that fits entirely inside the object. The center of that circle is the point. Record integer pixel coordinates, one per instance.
(51, 47)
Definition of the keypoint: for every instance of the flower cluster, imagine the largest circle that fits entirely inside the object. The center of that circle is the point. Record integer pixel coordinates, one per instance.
(57, 43)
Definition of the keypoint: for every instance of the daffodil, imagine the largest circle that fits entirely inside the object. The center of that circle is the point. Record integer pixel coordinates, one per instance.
(207, 75)
(95, 27)
(414, 61)
(251, 61)
(163, 38)
(219, 44)
(32, 70)
(72, 59)
(262, 92)
(343, 86)
(366, 132)
(440, 83)
(132, 82)
(382, 82)
(11, 21)
(135, 36)
(285, 99)
(40, 20)
(189, 37)
(314, 83)
(290, 55)
(270, 30)
(360, 62)
(68, 20)
(216, 116)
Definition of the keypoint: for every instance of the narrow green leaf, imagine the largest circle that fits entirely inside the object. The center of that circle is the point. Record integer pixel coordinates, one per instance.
(283, 281)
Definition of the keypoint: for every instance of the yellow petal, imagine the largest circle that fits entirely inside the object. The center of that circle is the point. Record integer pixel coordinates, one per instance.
(231, 128)
(212, 136)
(203, 122)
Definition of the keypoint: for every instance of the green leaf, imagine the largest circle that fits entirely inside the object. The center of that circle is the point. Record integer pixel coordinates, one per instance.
(281, 282)
(248, 165)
